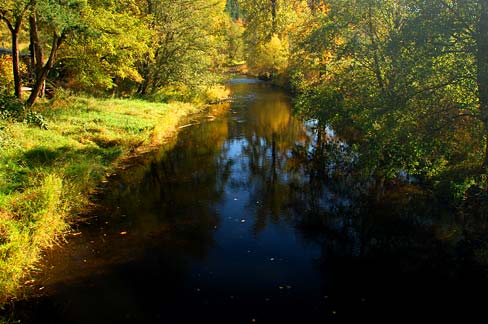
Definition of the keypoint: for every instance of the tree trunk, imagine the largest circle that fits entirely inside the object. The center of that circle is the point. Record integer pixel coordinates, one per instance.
(377, 67)
(273, 16)
(42, 76)
(144, 85)
(14, 27)
(36, 50)
(15, 62)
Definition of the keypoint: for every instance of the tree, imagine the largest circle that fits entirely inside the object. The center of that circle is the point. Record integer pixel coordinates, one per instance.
(60, 19)
(183, 43)
(13, 14)
(105, 51)
(409, 76)
(266, 35)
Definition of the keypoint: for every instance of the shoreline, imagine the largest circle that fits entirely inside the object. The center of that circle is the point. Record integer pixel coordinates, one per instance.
(65, 194)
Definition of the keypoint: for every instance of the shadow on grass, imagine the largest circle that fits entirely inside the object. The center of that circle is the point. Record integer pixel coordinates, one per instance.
(63, 160)
(43, 157)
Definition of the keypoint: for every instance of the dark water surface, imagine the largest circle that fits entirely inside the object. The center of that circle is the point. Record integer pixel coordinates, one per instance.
(255, 216)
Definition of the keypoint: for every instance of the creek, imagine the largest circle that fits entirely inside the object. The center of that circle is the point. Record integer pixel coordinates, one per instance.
(252, 215)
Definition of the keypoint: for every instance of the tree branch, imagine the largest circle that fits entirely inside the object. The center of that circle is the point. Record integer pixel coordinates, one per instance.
(9, 24)
(459, 18)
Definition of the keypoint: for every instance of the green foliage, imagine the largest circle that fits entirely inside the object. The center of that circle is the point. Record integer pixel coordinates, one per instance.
(233, 8)
(265, 40)
(10, 106)
(403, 75)
(61, 17)
(188, 44)
(13, 10)
(126, 46)
(274, 34)
(36, 118)
(107, 51)
(12, 109)
(46, 175)
(234, 41)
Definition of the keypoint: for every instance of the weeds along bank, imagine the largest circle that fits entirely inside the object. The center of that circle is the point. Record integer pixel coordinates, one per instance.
(46, 175)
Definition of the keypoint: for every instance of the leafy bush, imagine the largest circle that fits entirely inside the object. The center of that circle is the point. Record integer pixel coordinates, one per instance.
(35, 118)
(12, 109)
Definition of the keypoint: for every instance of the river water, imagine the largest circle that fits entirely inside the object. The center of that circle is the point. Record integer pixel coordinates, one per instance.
(251, 215)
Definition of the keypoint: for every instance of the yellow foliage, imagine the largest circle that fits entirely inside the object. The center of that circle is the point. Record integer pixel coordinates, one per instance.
(270, 58)
(217, 93)
(130, 73)
(7, 79)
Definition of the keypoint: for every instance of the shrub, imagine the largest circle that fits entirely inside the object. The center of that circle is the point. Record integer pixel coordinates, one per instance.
(13, 109)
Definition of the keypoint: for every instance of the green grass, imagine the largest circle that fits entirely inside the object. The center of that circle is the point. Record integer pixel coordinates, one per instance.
(46, 176)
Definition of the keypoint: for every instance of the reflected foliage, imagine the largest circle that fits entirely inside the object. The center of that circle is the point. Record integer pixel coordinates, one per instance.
(407, 77)
(179, 186)
(256, 203)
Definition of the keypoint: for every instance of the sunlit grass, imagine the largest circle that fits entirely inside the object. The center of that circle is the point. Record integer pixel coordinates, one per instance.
(47, 175)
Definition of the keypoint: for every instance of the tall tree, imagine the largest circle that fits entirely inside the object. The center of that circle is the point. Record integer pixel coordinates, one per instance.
(406, 73)
(183, 43)
(105, 52)
(59, 20)
(13, 14)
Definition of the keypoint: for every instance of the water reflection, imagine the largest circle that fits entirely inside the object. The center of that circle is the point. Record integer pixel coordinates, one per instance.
(254, 215)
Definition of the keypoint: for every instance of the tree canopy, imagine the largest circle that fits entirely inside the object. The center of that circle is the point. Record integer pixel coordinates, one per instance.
(127, 45)
(407, 79)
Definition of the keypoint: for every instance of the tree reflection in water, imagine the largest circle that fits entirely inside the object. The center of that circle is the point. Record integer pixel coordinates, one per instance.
(377, 239)
(258, 215)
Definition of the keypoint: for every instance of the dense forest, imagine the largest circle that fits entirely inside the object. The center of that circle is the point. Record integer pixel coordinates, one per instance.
(126, 47)
(407, 79)
(403, 82)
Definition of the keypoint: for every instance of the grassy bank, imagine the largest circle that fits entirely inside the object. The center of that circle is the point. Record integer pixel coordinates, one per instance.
(46, 176)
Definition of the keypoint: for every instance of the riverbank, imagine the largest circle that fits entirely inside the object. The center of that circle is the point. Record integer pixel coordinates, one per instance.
(47, 176)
